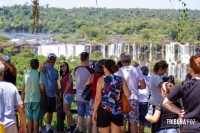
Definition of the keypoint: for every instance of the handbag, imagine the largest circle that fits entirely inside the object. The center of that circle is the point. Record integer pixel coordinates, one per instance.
(126, 107)
(87, 92)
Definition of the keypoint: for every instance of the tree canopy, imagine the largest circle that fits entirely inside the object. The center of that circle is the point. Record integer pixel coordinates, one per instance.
(86, 25)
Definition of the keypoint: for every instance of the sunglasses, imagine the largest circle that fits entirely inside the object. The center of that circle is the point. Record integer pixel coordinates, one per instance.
(52, 58)
(62, 66)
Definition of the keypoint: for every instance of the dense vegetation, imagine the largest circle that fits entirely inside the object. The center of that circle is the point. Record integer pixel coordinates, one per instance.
(20, 58)
(86, 25)
(108, 25)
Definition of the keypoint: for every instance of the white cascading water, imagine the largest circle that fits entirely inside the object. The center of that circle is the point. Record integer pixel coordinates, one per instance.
(178, 62)
(111, 49)
(150, 52)
(118, 49)
(134, 52)
(61, 49)
(57, 49)
(176, 55)
(68, 50)
(103, 50)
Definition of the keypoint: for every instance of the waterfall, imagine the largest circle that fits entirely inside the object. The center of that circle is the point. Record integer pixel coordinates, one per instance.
(179, 61)
(178, 76)
(128, 49)
(134, 52)
(69, 50)
(111, 49)
(185, 53)
(184, 71)
(103, 50)
(57, 49)
(117, 49)
(176, 55)
(150, 52)
(79, 49)
(170, 53)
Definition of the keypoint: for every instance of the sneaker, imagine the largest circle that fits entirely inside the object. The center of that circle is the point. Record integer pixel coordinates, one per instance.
(50, 131)
(74, 128)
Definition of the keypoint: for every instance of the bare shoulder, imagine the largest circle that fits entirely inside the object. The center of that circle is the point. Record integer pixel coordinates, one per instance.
(100, 80)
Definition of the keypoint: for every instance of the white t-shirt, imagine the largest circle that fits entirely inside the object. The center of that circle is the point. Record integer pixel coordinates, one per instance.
(133, 76)
(9, 97)
(156, 97)
(143, 94)
(81, 75)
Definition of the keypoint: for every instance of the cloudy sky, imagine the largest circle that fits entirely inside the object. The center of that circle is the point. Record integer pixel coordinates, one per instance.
(152, 4)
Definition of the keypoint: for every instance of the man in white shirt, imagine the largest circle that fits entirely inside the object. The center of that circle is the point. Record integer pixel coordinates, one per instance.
(143, 97)
(9, 97)
(133, 77)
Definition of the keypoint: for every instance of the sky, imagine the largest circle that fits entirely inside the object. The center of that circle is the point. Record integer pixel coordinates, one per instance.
(151, 4)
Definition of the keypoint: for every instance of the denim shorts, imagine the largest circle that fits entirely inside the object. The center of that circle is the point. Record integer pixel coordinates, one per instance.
(169, 130)
(91, 105)
(83, 108)
(68, 99)
(133, 115)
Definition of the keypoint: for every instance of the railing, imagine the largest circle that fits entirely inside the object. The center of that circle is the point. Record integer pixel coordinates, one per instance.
(60, 121)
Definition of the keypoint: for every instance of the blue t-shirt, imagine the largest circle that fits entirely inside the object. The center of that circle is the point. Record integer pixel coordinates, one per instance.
(111, 94)
(50, 79)
(9, 97)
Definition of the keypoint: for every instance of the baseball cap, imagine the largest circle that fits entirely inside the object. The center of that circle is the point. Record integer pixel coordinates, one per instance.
(51, 55)
(6, 58)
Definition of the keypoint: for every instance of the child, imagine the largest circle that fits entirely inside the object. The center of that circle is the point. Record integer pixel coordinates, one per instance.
(163, 117)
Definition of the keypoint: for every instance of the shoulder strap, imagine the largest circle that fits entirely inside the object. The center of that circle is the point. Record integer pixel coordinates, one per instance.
(39, 75)
(91, 70)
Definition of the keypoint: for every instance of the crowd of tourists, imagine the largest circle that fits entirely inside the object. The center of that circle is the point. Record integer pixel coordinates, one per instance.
(153, 99)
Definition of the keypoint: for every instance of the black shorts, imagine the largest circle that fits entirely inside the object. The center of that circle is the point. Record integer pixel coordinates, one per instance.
(51, 104)
(104, 118)
(143, 109)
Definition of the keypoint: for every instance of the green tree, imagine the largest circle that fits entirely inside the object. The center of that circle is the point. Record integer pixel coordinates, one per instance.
(96, 55)
(10, 51)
